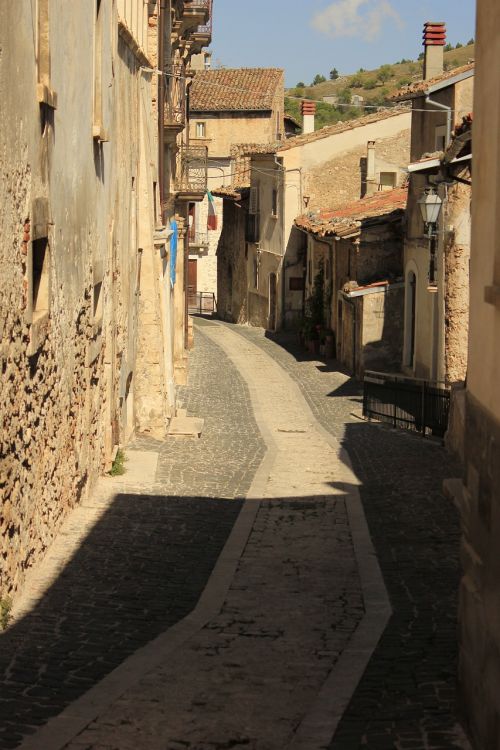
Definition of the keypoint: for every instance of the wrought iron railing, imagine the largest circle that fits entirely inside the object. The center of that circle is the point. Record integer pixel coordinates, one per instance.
(192, 167)
(407, 403)
(205, 29)
(202, 303)
(175, 96)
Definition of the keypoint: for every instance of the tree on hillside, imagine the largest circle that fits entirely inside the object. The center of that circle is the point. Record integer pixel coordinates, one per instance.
(301, 85)
(318, 78)
(471, 41)
(334, 74)
(384, 73)
(356, 81)
(345, 96)
(448, 47)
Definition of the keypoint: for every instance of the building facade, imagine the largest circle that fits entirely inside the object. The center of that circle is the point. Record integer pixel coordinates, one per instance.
(228, 108)
(479, 495)
(437, 264)
(85, 212)
(354, 260)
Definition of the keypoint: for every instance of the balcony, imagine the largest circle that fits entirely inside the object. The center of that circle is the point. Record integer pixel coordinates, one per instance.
(175, 99)
(202, 35)
(191, 173)
(196, 13)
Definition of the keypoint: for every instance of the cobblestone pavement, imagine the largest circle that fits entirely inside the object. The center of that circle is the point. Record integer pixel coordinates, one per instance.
(249, 677)
(143, 561)
(407, 698)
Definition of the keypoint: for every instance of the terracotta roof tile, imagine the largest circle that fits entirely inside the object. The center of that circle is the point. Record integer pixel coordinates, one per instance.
(236, 89)
(350, 217)
(341, 127)
(419, 88)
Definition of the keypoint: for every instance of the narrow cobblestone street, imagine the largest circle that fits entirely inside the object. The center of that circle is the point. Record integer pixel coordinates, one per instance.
(289, 580)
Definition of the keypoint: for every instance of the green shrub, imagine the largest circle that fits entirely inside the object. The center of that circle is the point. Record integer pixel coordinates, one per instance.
(5, 608)
(118, 467)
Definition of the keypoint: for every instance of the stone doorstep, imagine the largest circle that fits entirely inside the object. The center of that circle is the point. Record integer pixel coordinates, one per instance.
(182, 426)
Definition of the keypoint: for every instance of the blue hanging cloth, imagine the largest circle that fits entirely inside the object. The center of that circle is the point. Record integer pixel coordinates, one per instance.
(173, 251)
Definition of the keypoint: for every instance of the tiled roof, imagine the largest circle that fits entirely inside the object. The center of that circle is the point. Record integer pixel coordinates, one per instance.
(419, 88)
(235, 89)
(349, 218)
(341, 127)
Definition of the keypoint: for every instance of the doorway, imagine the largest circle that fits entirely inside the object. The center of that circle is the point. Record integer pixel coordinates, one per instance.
(273, 284)
(192, 289)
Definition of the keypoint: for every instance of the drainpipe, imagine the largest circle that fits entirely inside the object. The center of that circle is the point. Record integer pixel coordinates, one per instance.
(161, 108)
(448, 110)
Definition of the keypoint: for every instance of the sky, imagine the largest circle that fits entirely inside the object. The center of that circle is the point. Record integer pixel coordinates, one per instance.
(306, 37)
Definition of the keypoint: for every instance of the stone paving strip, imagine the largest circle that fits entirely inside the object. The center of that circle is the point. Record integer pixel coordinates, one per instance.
(407, 697)
(134, 559)
(291, 619)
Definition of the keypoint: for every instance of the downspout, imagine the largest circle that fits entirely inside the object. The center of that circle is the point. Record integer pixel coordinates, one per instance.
(448, 110)
(161, 109)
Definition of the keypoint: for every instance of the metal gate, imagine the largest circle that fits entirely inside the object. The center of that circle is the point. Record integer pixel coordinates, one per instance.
(408, 403)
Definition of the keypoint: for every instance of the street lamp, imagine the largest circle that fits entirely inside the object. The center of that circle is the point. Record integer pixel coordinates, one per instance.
(430, 205)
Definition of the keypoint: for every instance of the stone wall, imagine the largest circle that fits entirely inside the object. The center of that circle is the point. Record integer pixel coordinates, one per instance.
(456, 298)
(342, 179)
(479, 496)
(74, 220)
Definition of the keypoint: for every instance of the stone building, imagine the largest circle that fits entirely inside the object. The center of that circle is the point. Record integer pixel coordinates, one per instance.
(85, 207)
(357, 252)
(437, 256)
(330, 168)
(249, 251)
(478, 496)
(228, 107)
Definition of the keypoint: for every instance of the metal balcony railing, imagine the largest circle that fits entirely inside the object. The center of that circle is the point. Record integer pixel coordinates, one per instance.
(175, 97)
(206, 28)
(192, 168)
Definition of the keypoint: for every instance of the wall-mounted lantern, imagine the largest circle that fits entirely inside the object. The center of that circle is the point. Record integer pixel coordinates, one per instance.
(430, 205)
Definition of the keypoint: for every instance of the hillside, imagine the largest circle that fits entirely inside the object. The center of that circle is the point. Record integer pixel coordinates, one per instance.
(375, 86)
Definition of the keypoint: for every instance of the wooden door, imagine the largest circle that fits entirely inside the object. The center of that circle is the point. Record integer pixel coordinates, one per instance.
(192, 284)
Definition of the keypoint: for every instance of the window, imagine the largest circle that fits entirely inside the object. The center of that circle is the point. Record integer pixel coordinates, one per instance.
(440, 138)
(274, 208)
(40, 277)
(296, 283)
(97, 303)
(201, 130)
(388, 180)
(252, 233)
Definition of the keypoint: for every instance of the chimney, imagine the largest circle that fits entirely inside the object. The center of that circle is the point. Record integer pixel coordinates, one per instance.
(434, 41)
(371, 183)
(308, 111)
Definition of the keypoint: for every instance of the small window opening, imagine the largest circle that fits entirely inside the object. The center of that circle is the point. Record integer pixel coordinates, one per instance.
(40, 277)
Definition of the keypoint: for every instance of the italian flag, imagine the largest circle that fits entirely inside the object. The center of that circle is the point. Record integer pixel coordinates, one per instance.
(212, 215)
